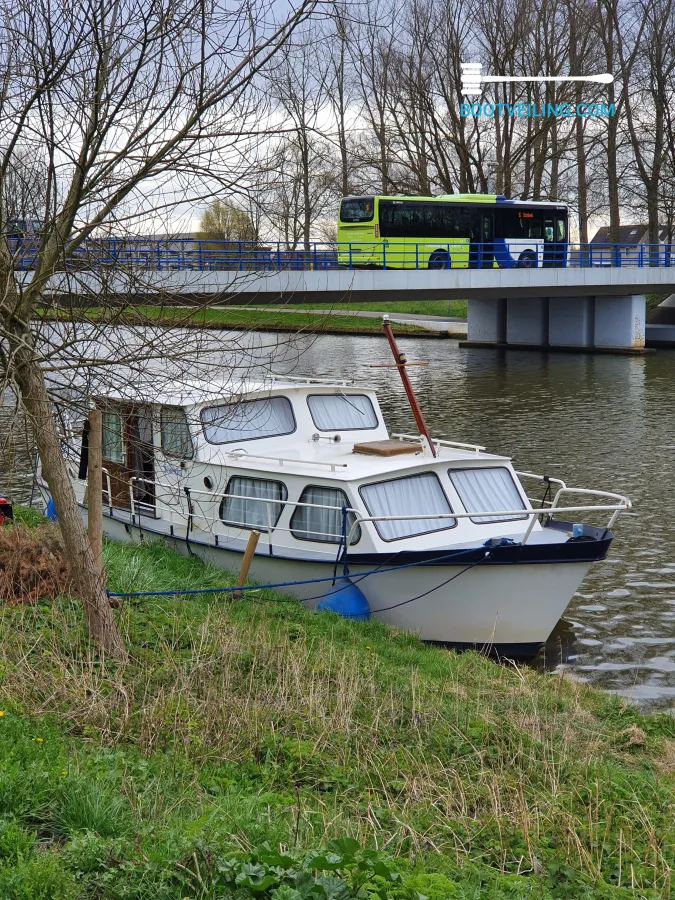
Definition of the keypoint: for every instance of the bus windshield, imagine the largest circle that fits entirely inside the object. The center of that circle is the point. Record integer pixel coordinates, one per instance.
(357, 209)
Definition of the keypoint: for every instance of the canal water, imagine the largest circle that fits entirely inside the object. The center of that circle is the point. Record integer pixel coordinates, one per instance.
(596, 421)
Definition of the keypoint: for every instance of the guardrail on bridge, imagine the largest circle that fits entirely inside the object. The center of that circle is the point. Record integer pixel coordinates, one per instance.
(212, 255)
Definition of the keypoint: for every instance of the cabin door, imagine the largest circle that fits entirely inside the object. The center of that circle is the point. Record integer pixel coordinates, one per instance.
(128, 454)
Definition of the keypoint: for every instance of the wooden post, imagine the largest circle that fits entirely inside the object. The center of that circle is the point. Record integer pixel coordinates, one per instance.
(95, 486)
(247, 560)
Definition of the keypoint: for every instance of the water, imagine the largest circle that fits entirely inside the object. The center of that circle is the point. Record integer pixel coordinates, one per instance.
(596, 421)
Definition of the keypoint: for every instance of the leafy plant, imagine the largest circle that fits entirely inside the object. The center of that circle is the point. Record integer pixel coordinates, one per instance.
(342, 872)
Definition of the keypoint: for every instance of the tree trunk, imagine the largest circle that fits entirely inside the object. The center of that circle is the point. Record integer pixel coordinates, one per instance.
(88, 583)
(306, 195)
(582, 184)
(653, 219)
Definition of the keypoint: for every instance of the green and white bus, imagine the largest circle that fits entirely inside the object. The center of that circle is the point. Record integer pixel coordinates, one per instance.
(451, 231)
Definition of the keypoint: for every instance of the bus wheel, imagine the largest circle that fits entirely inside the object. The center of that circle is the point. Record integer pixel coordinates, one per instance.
(527, 260)
(439, 259)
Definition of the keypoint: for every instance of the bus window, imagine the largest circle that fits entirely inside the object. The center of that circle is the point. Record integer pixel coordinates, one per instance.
(548, 230)
(520, 224)
(560, 236)
(357, 209)
(422, 221)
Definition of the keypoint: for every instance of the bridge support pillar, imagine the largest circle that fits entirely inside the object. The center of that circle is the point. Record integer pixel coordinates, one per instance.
(527, 321)
(486, 322)
(620, 322)
(571, 322)
(586, 324)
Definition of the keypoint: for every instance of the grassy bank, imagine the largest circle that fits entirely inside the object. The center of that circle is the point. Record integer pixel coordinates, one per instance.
(251, 743)
(271, 318)
(419, 307)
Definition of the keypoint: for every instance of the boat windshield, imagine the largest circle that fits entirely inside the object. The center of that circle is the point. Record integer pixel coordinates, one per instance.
(248, 420)
(342, 412)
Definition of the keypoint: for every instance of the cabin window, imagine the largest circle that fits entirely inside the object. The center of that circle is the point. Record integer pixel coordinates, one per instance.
(176, 440)
(342, 412)
(113, 447)
(248, 420)
(487, 490)
(319, 523)
(244, 503)
(416, 495)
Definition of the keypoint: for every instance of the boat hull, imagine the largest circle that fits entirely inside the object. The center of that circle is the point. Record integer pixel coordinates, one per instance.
(500, 602)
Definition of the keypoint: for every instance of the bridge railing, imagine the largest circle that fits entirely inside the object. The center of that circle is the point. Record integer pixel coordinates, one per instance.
(171, 255)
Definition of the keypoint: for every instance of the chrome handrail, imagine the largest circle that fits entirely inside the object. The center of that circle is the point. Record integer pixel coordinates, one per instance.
(108, 490)
(441, 442)
(532, 514)
(244, 454)
(623, 504)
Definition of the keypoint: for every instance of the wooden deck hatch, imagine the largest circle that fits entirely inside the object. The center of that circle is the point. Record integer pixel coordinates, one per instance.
(386, 448)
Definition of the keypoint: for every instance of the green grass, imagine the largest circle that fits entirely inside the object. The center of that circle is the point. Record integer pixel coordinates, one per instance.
(245, 739)
(419, 307)
(269, 319)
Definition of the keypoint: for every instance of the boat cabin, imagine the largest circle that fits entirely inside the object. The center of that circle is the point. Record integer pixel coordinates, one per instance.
(308, 462)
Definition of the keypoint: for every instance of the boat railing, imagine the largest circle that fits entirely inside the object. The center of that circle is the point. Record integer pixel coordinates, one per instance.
(622, 504)
(312, 379)
(547, 479)
(266, 528)
(442, 443)
(244, 454)
(106, 489)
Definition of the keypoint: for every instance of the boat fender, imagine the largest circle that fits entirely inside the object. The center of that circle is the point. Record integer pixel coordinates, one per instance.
(346, 600)
(499, 542)
(50, 511)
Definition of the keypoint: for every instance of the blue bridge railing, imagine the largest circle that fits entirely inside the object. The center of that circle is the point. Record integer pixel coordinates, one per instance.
(253, 256)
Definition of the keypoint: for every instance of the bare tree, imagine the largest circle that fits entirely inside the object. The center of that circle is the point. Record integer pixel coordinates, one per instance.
(136, 107)
(296, 82)
(645, 50)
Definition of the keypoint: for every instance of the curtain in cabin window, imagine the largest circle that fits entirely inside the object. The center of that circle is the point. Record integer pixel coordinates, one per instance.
(244, 503)
(416, 495)
(176, 439)
(342, 412)
(487, 490)
(314, 523)
(248, 420)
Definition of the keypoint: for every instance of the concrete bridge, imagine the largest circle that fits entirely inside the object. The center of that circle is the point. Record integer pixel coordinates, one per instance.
(581, 308)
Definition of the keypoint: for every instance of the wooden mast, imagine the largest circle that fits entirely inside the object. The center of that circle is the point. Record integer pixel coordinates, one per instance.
(401, 363)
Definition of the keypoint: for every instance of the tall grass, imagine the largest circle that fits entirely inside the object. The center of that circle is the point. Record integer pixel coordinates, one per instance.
(266, 722)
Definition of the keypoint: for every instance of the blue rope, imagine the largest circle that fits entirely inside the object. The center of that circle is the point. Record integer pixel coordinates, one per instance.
(282, 584)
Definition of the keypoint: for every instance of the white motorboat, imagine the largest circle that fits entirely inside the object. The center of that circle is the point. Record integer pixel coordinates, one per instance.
(440, 537)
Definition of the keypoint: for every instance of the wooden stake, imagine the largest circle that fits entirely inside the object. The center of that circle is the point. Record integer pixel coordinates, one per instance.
(95, 486)
(247, 560)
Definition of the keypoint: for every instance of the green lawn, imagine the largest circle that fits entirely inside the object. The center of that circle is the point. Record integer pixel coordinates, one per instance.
(270, 319)
(421, 307)
(254, 749)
